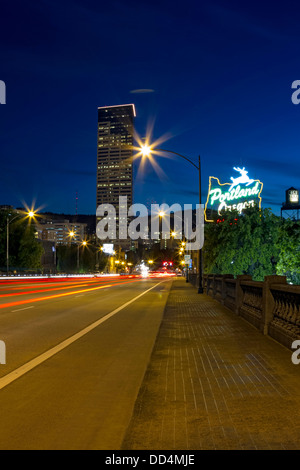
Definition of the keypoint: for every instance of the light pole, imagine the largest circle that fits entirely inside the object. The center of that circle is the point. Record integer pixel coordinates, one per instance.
(30, 214)
(72, 234)
(146, 151)
(161, 215)
(84, 243)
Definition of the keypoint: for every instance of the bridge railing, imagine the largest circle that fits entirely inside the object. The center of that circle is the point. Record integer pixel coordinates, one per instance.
(272, 305)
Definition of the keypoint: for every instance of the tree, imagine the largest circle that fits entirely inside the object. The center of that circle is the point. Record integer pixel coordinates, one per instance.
(30, 253)
(89, 257)
(289, 250)
(66, 258)
(25, 251)
(242, 244)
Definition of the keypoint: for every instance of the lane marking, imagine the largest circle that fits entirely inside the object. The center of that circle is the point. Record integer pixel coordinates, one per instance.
(20, 371)
(19, 309)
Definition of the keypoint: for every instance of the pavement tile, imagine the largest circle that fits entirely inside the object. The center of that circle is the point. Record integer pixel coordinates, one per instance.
(214, 382)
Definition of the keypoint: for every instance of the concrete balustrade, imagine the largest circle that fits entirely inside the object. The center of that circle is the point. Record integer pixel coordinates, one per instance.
(272, 306)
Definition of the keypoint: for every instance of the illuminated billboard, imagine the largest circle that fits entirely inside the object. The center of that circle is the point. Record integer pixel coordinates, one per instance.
(108, 248)
(242, 192)
(292, 196)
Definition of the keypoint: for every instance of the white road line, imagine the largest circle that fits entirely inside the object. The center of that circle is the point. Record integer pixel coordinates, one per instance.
(17, 373)
(19, 309)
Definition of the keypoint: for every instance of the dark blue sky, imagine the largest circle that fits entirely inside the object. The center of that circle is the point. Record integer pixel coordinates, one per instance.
(217, 76)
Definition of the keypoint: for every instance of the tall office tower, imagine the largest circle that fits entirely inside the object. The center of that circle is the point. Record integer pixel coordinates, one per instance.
(115, 152)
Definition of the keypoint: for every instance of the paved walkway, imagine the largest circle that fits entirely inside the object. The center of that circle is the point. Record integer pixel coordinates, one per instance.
(214, 382)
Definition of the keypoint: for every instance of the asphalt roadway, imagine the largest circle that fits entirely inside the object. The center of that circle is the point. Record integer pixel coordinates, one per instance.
(76, 355)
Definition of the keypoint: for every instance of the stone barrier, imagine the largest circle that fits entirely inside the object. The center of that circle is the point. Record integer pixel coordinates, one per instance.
(272, 305)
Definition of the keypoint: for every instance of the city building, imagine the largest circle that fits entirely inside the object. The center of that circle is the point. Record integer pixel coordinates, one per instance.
(114, 158)
(58, 231)
(6, 207)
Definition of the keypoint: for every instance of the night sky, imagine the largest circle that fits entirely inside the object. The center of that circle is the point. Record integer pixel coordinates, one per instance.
(214, 78)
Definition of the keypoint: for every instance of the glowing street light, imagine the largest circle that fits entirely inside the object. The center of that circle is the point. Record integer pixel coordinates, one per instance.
(147, 151)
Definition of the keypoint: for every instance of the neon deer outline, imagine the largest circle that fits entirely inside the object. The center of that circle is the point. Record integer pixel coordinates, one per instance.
(241, 179)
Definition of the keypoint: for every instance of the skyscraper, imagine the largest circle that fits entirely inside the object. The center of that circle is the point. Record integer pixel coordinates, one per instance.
(114, 156)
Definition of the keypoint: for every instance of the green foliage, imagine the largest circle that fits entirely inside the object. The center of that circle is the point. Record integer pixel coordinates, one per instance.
(243, 244)
(289, 251)
(30, 253)
(66, 258)
(25, 251)
(89, 257)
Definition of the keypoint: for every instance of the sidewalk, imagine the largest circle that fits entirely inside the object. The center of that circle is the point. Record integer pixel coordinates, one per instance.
(214, 382)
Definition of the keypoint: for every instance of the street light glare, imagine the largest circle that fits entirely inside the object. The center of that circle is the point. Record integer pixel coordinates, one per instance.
(146, 150)
(31, 214)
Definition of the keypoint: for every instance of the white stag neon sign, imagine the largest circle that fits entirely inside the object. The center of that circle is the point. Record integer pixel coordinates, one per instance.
(243, 192)
(244, 178)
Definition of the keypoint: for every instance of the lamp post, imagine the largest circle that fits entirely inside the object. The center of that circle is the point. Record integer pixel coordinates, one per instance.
(146, 151)
(30, 214)
(161, 215)
(72, 234)
(84, 243)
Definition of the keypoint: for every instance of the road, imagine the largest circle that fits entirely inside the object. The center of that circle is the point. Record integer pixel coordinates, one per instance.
(76, 353)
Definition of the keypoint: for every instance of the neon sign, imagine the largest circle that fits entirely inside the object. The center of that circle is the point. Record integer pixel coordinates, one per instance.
(242, 193)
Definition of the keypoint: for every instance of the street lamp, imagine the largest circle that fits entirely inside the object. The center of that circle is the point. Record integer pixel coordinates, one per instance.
(161, 214)
(84, 243)
(72, 234)
(30, 215)
(146, 152)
